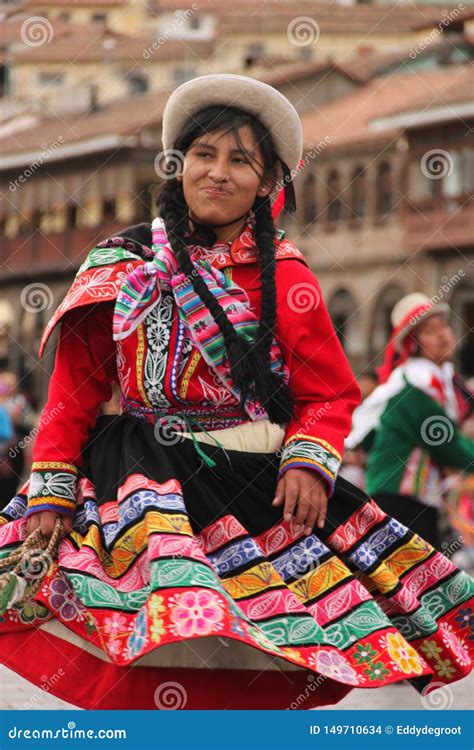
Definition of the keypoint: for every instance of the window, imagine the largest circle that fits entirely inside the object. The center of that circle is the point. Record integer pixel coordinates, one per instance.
(71, 215)
(108, 209)
(255, 50)
(183, 73)
(358, 194)
(309, 199)
(98, 18)
(137, 84)
(384, 190)
(421, 186)
(334, 203)
(142, 204)
(51, 79)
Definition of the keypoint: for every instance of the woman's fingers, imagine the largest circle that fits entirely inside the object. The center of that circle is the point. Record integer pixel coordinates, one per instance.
(280, 491)
(323, 504)
(46, 520)
(291, 496)
(32, 523)
(311, 519)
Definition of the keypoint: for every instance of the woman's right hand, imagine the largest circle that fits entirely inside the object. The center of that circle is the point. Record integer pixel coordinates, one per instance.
(45, 520)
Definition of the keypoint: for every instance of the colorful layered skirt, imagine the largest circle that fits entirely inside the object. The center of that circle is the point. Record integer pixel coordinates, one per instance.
(181, 587)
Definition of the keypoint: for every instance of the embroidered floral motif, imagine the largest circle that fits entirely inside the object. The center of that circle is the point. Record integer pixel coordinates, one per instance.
(364, 652)
(138, 639)
(454, 643)
(196, 613)
(377, 671)
(403, 655)
(333, 664)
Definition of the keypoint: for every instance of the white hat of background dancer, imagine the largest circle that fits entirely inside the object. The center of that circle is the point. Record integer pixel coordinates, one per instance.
(410, 311)
(265, 102)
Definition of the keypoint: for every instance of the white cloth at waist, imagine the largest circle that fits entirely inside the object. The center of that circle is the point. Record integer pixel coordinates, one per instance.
(261, 436)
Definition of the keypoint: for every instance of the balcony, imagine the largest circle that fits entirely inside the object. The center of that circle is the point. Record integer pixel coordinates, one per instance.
(441, 224)
(34, 254)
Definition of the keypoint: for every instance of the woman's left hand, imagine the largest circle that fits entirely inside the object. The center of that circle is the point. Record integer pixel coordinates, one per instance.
(307, 489)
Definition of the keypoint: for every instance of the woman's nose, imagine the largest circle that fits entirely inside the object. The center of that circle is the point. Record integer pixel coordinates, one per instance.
(219, 170)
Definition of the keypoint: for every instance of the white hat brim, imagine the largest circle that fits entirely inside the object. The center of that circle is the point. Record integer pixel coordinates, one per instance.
(439, 309)
(273, 109)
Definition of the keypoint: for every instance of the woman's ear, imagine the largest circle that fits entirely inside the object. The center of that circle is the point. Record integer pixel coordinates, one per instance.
(266, 186)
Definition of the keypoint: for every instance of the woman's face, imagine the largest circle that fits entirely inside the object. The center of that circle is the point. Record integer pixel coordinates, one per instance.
(436, 339)
(219, 182)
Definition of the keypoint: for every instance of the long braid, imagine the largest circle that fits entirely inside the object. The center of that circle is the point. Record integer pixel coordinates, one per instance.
(279, 399)
(245, 359)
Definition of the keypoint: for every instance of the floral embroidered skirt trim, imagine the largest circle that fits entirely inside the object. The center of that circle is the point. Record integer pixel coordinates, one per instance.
(181, 587)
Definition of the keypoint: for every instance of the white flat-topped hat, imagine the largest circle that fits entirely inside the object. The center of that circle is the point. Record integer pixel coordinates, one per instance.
(273, 109)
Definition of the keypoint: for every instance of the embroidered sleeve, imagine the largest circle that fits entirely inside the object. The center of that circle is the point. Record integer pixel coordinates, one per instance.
(82, 379)
(322, 382)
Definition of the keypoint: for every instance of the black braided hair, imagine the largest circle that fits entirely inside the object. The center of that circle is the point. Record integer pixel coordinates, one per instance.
(250, 363)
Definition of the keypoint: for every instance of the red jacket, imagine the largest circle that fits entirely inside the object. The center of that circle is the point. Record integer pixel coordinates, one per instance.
(88, 360)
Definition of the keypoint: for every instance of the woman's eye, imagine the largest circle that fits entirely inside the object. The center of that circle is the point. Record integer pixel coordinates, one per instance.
(242, 161)
(202, 153)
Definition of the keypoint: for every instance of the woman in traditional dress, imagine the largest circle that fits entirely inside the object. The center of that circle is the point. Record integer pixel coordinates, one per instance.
(210, 556)
(409, 425)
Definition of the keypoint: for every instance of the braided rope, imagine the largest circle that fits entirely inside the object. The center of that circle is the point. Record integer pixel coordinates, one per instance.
(36, 541)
